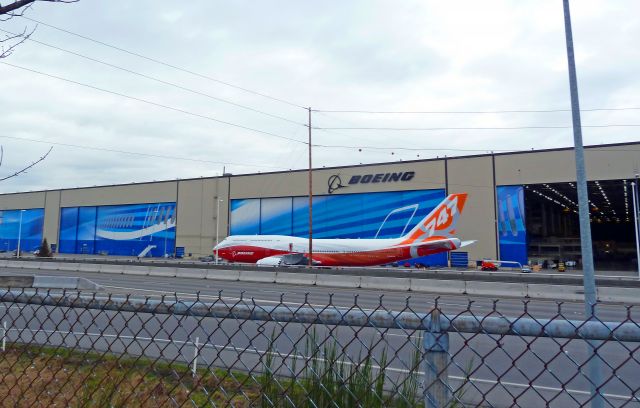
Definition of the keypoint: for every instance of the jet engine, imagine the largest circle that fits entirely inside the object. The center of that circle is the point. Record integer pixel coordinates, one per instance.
(283, 260)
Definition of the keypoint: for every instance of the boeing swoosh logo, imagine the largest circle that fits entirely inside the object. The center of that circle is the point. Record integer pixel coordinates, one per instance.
(334, 183)
(127, 235)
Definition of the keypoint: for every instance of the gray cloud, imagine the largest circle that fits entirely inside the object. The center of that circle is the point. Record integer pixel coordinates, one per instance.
(382, 55)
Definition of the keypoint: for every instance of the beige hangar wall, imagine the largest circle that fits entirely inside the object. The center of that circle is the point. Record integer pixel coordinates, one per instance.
(22, 201)
(198, 199)
(428, 175)
(51, 216)
(602, 163)
(197, 210)
(474, 175)
(120, 194)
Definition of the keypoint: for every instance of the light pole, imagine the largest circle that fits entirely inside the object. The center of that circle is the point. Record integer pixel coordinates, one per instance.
(19, 234)
(589, 281)
(634, 190)
(218, 201)
(166, 232)
(152, 222)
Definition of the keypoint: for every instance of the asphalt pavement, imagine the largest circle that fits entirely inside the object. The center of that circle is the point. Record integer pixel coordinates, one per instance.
(501, 367)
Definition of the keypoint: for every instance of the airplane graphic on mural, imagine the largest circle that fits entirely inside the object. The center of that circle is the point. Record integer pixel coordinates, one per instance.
(135, 234)
(433, 234)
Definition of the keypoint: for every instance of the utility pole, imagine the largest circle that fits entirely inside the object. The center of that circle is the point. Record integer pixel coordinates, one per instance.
(218, 201)
(589, 281)
(636, 226)
(19, 235)
(310, 197)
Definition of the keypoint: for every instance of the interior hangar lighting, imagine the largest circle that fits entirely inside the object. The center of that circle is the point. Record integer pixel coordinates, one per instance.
(626, 200)
(553, 200)
(559, 194)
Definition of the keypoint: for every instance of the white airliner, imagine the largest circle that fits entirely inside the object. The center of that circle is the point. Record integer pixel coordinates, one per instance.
(432, 235)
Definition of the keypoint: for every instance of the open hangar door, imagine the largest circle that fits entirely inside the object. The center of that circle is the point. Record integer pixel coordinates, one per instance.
(553, 230)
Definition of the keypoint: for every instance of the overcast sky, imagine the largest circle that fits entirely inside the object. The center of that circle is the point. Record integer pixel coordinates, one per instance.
(330, 55)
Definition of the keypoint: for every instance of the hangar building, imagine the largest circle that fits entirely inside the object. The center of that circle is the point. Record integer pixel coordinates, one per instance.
(522, 206)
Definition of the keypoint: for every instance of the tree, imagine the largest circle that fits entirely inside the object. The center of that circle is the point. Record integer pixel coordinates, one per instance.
(15, 9)
(44, 250)
(19, 6)
(8, 44)
(24, 169)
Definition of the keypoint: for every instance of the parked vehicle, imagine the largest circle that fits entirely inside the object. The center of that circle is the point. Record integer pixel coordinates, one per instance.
(488, 266)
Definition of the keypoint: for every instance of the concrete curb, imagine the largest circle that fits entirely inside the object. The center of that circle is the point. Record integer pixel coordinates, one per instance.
(257, 276)
(66, 266)
(64, 282)
(623, 295)
(402, 284)
(191, 273)
(222, 275)
(432, 286)
(135, 270)
(338, 281)
(119, 269)
(493, 289)
(287, 278)
(164, 272)
(449, 287)
(555, 292)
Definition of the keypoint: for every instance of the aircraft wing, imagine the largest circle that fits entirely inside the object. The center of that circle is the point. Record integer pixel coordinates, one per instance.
(282, 260)
(438, 245)
(444, 243)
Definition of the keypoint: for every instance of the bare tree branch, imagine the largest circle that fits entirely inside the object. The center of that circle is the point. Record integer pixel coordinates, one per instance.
(24, 170)
(10, 15)
(5, 51)
(15, 9)
(18, 4)
(14, 6)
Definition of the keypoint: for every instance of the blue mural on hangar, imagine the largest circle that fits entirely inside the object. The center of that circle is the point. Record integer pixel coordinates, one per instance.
(127, 230)
(26, 224)
(362, 215)
(512, 229)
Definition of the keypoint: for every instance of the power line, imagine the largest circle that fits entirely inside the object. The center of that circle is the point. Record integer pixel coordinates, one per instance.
(298, 105)
(186, 112)
(474, 112)
(439, 149)
(472, 128)
(159, 80)
(157, 156)
(418, 149)
(166, 64)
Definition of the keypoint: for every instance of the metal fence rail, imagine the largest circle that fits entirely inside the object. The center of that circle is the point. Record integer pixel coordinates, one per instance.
(71, 349)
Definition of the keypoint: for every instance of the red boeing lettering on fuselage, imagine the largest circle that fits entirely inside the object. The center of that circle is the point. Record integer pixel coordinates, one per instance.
(432, 235)
(247, 253)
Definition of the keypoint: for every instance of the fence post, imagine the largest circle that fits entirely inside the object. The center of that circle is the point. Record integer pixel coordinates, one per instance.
(437, 393)
(4, 336)
(195, 356)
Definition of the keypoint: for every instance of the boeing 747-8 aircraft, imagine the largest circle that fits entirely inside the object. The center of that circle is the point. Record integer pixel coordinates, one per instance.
(434, 234)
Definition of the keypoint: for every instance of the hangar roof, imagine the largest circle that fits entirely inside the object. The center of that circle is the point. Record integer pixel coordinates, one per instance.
(599, 146)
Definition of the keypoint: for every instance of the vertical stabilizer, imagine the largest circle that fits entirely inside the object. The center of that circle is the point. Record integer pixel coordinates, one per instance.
(440, 223)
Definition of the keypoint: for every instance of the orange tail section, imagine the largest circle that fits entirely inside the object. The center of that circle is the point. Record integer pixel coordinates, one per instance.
(440, 223)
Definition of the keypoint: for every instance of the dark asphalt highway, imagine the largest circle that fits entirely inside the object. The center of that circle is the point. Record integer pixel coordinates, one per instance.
(502, 366)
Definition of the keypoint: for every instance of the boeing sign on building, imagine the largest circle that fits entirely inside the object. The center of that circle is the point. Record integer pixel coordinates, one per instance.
(335, 182)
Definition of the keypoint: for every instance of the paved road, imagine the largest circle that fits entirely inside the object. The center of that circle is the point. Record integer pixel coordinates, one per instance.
(228, 343)
(270, 294)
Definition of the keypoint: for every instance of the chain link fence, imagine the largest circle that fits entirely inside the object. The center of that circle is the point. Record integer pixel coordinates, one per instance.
(71, 349)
